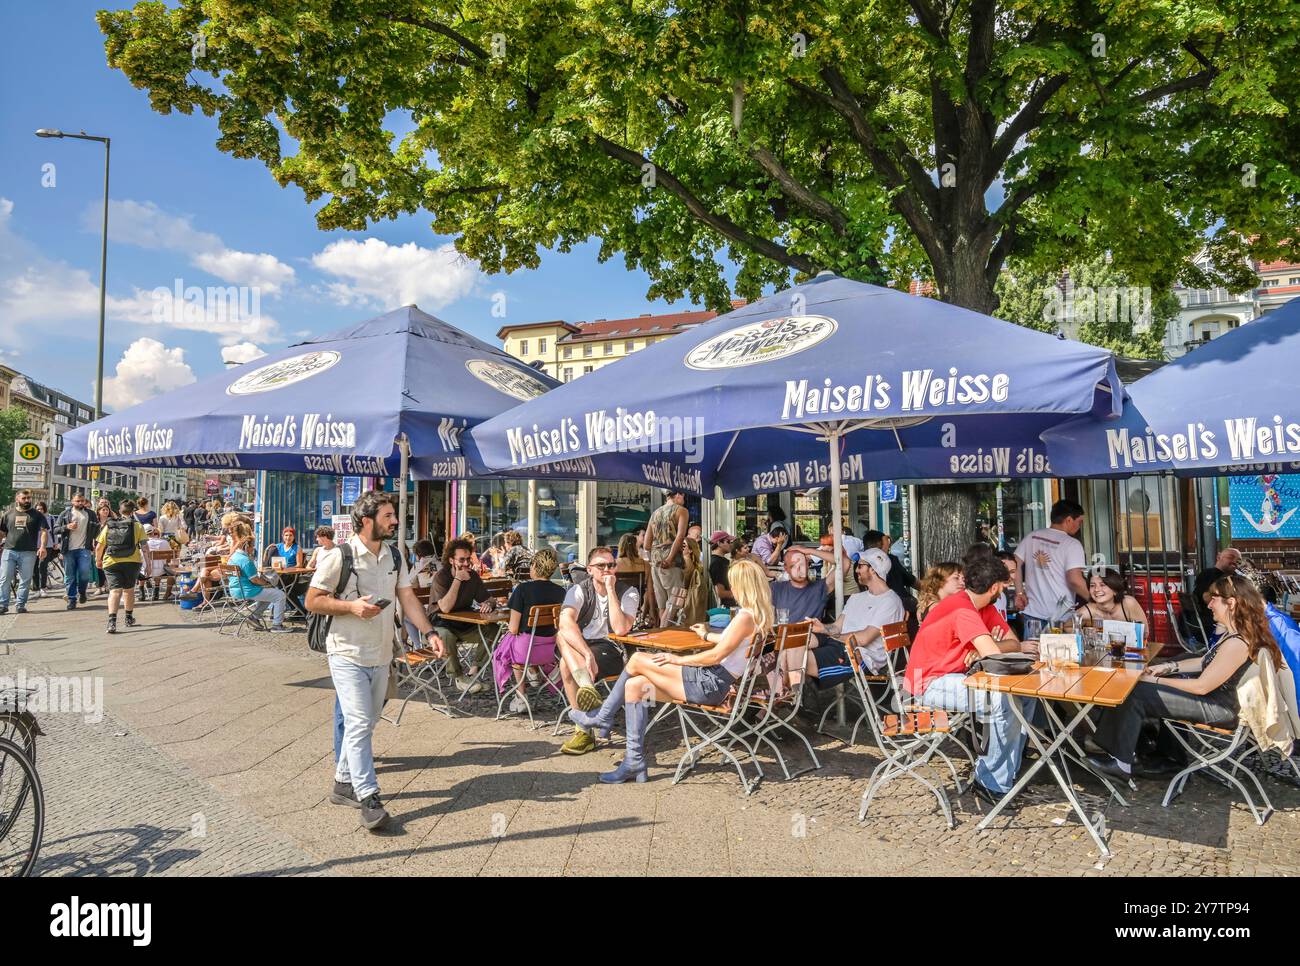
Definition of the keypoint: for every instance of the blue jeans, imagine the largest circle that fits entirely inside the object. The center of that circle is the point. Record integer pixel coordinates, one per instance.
(78, 565)
(338, 729)
(997, 768)
(361, 692)
(274, 599)
(23, 562)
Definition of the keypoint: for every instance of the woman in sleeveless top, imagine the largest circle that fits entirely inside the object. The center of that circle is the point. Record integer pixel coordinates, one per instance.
(1205, 688)
(705, 677)
(1110, 601)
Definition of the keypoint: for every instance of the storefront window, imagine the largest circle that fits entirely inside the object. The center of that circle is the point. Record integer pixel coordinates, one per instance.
(622, 508)
(1146, 516)
(557, 517)
(1008, 512)
(493, 506)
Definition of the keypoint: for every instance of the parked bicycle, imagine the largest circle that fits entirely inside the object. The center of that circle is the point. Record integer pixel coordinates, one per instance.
(22, 801)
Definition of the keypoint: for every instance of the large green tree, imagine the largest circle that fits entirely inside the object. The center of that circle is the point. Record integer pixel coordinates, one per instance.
(882, 139)
(1093, 301)
(14, 424)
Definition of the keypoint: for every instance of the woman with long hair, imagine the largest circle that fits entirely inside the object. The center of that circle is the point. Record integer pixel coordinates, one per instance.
(1110, 601)
(1199, 689)
(941, 580)
(704, 678)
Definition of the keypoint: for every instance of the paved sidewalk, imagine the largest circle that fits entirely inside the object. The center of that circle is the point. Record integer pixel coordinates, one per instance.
(239, 732)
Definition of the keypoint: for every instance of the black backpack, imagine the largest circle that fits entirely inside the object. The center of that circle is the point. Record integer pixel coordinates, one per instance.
(318, 625)
(120, 541)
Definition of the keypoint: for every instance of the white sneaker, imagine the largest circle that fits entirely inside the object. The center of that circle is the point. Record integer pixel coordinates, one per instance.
(518, 705)
(464, 683)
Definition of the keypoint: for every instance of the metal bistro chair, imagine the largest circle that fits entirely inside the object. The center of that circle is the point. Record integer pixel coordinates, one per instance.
(911, 737)
(862, 680)
(498, 586)
(723, 726)
(540, 615)
(1208, 747)
(419, 668)
(241, 613)
(781, 702)
(218, 599)
(167, 558)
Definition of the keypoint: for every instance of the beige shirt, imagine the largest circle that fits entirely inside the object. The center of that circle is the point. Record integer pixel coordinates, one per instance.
(368, 643)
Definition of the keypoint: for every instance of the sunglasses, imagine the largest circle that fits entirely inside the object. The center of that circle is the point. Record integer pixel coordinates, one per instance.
(601, 565)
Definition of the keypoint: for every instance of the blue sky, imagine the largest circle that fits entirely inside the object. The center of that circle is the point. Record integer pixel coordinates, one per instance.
(181, 209)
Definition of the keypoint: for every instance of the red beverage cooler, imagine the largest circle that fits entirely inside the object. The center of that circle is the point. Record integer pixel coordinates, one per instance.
(1152, 592)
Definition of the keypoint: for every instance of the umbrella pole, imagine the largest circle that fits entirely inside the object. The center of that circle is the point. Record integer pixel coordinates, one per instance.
(837, 527)
(404, 448)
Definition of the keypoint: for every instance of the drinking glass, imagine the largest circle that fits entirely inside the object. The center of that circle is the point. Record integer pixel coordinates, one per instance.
(782, 615)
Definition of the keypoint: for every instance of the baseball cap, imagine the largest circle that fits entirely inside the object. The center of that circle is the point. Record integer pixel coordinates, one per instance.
(879, 561)
(720, 536)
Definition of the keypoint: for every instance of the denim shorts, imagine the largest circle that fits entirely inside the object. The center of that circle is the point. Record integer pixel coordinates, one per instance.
(706, 685)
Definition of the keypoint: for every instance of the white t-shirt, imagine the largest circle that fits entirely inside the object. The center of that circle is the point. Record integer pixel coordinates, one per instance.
(598, 626)
(1045, 557)
(865, 609)
(157, 545)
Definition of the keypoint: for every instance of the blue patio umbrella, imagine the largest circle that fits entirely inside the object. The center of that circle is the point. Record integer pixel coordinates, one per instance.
(358, 401)
(1228, 406)
(806, 369)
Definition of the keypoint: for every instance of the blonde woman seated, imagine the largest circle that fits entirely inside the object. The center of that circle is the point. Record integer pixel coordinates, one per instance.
(703, 678)
(630, 561)
(941, 580)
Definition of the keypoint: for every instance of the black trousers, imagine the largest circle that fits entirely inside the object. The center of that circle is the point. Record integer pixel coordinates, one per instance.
(1120, 727)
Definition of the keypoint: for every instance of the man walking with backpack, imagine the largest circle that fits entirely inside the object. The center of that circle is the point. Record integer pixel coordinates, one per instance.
(117, 551)
(351, 596)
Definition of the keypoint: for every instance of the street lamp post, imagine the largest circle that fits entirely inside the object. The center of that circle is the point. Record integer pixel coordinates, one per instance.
(103, 257)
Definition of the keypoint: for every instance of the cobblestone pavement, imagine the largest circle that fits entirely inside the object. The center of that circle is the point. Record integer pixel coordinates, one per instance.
(239, 732)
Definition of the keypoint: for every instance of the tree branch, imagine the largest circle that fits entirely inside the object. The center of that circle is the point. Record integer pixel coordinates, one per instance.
(723, 226)
(1024, 122)
(817, 206)
(446, 31)
(907, 168)
(1198, 81)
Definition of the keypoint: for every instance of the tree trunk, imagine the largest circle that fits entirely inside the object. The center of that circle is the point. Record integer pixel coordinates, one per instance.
(947, 523)
(964, 282)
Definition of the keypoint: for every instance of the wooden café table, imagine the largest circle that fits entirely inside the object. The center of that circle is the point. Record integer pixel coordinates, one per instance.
(500, 619)
(1082, 687)
(676, 640)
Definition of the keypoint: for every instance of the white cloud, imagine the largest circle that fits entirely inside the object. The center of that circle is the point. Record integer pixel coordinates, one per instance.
(240, 352)
(374, 272)
(147, 369)
(38, 289)
(144, 224)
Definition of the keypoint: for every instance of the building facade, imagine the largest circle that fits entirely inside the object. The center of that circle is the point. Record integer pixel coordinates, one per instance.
(1207, 313)
(567, 350)
(51, 413)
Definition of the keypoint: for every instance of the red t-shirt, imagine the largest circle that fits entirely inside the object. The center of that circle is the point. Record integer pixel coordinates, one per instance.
(945, 637)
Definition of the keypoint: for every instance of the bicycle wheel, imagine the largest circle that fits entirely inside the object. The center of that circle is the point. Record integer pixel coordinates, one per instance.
(22, 811)
(21, 729)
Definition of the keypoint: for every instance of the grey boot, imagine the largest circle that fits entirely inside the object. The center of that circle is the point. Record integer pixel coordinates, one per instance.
(633, 767)
(603, 717)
